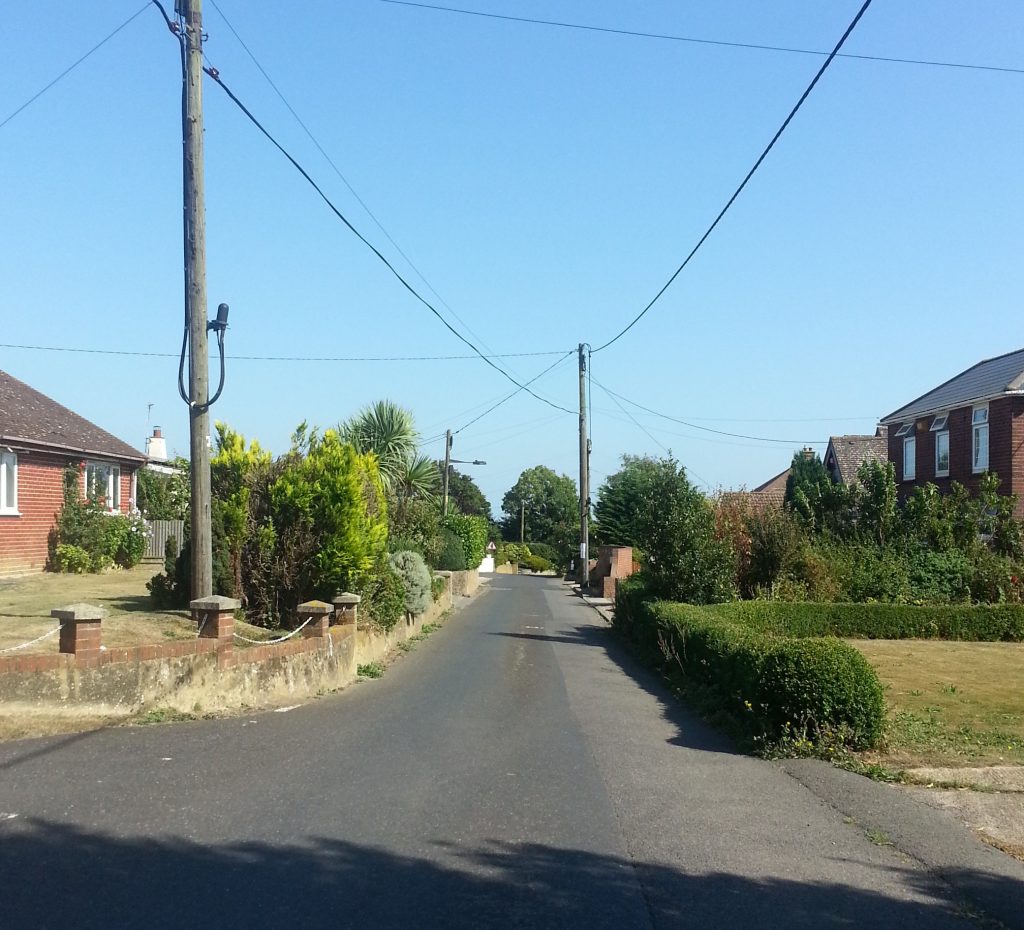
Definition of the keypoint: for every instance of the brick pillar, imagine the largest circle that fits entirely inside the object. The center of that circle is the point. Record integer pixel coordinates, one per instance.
(346, 609)
(80, 629)
(318, 613)
(215, 618)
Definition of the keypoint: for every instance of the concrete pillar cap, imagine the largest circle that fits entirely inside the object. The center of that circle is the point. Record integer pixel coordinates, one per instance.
(74, 612)
(345, 599)
(314, 608)
(218, 602)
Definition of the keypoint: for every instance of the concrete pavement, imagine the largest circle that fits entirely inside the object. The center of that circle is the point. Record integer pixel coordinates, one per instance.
(516, 771)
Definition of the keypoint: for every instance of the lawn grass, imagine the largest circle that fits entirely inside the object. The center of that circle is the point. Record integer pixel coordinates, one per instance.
(949, 703)
(25, 605)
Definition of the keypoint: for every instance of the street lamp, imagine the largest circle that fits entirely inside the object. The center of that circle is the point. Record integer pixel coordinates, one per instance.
(448, 462)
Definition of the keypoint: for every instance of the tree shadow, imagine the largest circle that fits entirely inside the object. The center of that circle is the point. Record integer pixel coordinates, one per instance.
(57, 876)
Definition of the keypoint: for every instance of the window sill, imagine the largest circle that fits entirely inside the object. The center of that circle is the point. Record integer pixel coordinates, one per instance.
(10, 513)
(979, 471)
(942, 474)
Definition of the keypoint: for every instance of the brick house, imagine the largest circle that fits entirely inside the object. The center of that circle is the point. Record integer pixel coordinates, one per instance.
(968, 425)
(39, 438)
(845, 454)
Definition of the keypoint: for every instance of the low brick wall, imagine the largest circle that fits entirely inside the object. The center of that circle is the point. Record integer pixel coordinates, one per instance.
(200, 675)
(464, 584)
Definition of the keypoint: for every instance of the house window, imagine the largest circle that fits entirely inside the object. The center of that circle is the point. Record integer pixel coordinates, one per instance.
(979, 428)
(103, 484)
(909, 458)
(8, 483)
(942, 454)
(904, 429)
(939, 422)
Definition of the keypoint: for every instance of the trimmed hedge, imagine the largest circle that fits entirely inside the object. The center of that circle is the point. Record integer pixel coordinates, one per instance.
(773, 686)
(969, 622)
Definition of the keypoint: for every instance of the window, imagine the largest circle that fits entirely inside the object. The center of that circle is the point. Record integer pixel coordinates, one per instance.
(979, 428)
(939, 423)
(8, 483)
(942, 454)
(103, 484)
(909, 458)
(904, 429)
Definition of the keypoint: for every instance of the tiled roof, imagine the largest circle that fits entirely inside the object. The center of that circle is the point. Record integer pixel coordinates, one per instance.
(1003, 374)
(850, 452)
(26, 416)
(778, 483)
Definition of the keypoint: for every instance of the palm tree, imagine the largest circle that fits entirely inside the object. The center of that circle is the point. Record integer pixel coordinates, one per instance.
(388, 431)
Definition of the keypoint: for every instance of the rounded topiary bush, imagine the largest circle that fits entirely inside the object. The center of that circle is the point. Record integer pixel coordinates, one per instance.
(822, 685)
(412, 569)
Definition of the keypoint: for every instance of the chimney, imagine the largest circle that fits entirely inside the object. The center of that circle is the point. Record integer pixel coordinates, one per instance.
(808, 453)
(156, 446)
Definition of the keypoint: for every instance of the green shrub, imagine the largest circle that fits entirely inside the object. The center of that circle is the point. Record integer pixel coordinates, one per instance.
(453, 555)
(437, 587)
(966, 622)
(771, 685)
(511, 553)
(535, 563)
(410, 567)
(472, 531)
(383, 596)
(71, 559)
(546, 552)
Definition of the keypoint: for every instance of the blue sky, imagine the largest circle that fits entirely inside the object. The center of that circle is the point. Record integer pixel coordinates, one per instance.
(546, 182)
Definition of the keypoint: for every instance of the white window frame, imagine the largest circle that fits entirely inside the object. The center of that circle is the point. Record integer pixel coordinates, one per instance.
(940, 422)
(8, 475)
(979, 439)
(939, 437)
(904, 429)
(910, 474)
(113, 484)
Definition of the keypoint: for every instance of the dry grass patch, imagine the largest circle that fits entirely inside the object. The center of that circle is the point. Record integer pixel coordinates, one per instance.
(25, 605)
(950, 703)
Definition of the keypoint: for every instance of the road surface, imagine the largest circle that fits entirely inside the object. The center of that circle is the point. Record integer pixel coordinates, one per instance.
(517, 770)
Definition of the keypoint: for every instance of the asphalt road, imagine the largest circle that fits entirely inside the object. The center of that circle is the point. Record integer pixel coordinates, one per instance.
(516, 770)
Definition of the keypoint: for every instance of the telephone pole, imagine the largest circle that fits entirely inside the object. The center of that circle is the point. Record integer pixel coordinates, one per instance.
(522, 522)
(584, 473)
(195, 274)
(447, 470)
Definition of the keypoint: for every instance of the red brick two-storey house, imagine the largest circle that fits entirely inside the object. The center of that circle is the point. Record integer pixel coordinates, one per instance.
(967, 426)
(39, 439)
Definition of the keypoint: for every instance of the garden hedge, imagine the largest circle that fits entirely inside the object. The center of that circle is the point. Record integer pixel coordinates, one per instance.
(774, 686)
(969, 622)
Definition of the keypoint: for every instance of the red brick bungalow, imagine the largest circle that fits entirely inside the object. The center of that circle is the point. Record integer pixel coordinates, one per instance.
(39, 438)
(967, 426)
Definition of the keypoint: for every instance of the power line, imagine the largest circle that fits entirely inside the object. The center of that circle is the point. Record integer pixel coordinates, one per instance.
(215, 75)
(523, 387)
(344, 179)
(700, 41)
(287, 358)
(750, 174)
(705, 429)
(72, 66)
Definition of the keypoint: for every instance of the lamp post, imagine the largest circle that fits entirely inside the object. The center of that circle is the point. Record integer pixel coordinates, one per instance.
(448, 462)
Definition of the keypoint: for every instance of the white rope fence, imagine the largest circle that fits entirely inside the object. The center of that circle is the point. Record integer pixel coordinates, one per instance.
(271, 642)
(32, 642)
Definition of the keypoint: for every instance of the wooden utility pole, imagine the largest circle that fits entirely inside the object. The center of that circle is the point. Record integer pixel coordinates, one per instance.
(447, 470)
(195, 264)
(522, 522)
(584, 473)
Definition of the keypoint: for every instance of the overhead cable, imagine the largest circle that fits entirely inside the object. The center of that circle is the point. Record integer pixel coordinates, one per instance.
(215, 75)
(699, 41)
(344, 180)
(288, 358)
(39, 93)
(750, 174)
(705, 429)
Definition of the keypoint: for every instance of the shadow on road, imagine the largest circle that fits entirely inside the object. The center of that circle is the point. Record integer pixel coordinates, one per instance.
(57, 876)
